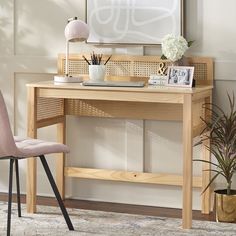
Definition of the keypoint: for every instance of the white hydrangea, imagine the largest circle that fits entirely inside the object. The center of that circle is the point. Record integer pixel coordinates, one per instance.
(174, 47)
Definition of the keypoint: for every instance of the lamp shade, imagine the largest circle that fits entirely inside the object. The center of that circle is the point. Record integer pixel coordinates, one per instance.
(76, 31)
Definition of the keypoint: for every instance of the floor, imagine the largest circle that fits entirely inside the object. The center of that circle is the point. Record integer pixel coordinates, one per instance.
(49, 222)
(116, 207)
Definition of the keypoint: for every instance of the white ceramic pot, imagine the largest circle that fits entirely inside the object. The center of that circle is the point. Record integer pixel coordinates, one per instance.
(97, 72)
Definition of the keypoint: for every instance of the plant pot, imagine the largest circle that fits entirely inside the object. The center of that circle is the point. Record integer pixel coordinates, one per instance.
(225, 206)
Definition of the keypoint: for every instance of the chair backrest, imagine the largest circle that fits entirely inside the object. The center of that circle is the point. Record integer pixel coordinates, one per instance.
(7, 143)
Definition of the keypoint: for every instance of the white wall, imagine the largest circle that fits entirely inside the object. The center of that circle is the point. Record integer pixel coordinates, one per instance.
(31, 36)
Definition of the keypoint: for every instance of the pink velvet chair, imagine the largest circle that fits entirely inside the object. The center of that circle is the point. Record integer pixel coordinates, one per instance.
(15, 148)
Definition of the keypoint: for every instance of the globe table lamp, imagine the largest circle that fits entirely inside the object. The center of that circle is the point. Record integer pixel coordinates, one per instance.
(75, 31)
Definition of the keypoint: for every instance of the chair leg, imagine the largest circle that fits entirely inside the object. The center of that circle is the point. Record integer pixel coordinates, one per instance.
(18, 188)
(56, 192)
(10, 198)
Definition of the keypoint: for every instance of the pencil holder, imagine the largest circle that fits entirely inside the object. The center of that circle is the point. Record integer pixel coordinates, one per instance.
(97, 72)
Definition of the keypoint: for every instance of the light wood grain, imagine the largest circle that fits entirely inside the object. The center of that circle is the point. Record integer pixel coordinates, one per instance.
(129, 176)
(187, 161)
(31, 112)
(201, 95)
(206, 175)
(31, 179)
(145, 89)
(132, 110)
(60, 162)
(49, 121)
(198, 112)
(112, 95)
(197, 130)
(162, 103)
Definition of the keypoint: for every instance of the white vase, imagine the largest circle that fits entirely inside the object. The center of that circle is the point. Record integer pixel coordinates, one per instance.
(97, 72)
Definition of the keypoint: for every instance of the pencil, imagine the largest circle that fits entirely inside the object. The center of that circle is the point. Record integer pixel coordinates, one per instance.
(107, 60)
(86, 60)
(100, 59)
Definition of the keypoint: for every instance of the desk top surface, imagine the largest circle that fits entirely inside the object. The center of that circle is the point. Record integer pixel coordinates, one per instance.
(146, 89)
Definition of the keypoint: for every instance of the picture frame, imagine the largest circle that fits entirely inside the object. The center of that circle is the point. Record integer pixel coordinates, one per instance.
(180, 76)
(132, 22)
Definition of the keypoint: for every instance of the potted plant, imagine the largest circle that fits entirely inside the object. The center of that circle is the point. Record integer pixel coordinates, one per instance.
(221, 132)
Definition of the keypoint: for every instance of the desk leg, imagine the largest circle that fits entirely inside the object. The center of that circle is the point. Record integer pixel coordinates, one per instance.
(31, 180)
(187, 161)
(31, 185)
(206, 196)
(206, 175)
(60, 162)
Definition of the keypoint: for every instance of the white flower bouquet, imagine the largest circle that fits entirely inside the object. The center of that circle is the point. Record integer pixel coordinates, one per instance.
(174, 47)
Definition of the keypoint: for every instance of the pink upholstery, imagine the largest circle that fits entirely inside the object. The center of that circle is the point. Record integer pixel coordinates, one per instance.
(7, 144)
(35, 147)
(22, 147)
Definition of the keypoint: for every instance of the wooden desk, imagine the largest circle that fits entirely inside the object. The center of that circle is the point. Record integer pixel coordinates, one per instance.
(48, 104)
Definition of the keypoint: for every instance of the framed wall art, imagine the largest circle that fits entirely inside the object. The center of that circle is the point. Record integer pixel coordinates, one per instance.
(133, 21)
(180, 76)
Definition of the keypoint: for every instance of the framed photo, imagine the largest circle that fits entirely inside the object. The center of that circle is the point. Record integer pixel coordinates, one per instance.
(181, 76)
(136, 22)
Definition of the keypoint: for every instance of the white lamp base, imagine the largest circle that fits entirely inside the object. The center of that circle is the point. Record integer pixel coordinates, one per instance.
(67, 79)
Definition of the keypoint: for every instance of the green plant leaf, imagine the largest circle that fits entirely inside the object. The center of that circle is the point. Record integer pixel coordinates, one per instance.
(163, 57)
(216, 171)
(220, 129)
(209, 162)
(190, 43)
(212, 180)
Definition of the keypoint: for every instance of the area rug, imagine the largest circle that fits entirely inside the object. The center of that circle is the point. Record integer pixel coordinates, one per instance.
(49, 221)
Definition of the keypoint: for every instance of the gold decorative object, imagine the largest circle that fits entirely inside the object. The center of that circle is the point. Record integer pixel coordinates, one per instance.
(225, 207)
(162, 68)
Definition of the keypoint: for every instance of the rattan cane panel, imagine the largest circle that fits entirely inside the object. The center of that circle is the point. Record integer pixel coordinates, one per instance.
(83, 108)
(197, 109)
(77, 67)
(139, 66)
(200, 71)
(117, 109)
(49, 107)
(119, 68)
(115, 68)
(145, 69)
